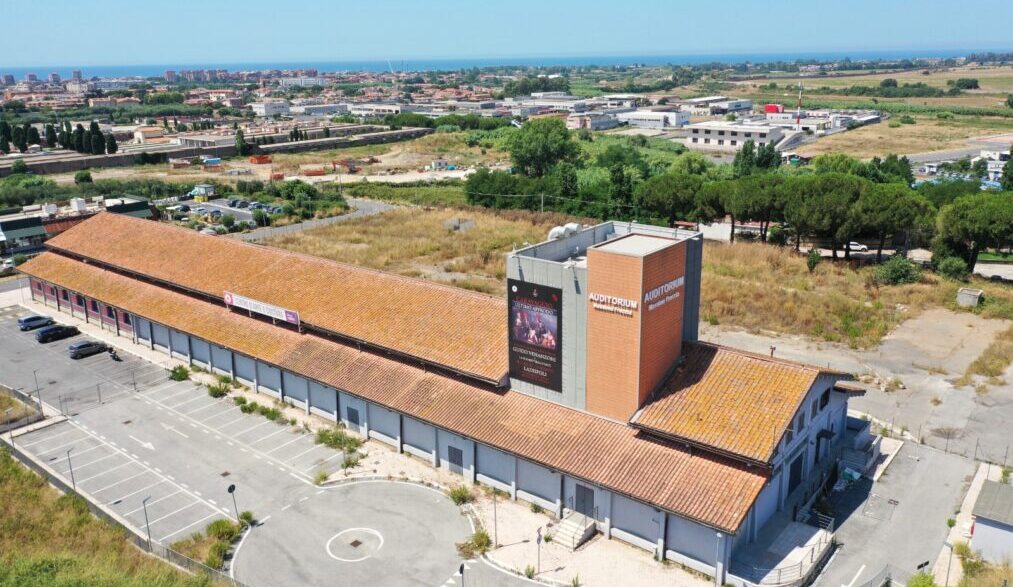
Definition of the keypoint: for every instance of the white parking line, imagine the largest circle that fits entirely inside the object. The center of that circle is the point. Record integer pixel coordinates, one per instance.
(132, 493)
(276, 432)
(191, 400)
(297, 438)
(231, 422)
(80, 481)
(174, 395)
(80, 466)
(228, 411)
(332, 457)
(305, 451)
(40, 452)
(163, 498)
(46, 439)
(210, 405)
(191, 525)
(255, 426)
(169, 515)
(76, 454)
(118, 482)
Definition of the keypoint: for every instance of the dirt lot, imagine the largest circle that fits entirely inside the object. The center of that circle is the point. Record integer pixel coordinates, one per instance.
(463, 247)
(397, 163)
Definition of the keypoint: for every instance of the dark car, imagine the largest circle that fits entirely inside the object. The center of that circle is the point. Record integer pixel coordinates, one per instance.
(183, 208)
(56, 332)
(242, 204)
(86, 348)
(34, 321)
(232, 203)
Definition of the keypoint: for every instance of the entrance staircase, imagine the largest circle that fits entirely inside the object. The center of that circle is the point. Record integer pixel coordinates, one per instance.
(573, 530)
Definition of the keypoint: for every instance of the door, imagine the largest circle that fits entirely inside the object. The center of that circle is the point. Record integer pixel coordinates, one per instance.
(353, 418)
(795, 473)
(584, 500)
(456, 459)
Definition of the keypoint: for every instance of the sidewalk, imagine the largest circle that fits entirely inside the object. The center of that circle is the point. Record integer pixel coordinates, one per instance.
(961, 531)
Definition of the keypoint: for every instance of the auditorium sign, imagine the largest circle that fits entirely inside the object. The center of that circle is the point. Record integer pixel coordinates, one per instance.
(250, 305)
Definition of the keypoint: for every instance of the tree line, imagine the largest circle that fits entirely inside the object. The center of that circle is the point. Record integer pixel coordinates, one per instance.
(834, 200)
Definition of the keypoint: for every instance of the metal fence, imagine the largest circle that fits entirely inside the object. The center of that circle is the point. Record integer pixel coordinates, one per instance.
(165, 553)
(30, 402)
(798, 574)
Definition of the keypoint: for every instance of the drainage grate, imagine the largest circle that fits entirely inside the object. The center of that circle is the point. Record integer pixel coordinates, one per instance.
(355, 543)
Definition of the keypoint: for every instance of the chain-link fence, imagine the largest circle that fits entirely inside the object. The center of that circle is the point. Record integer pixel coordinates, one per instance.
(159, 550)
(17, 409)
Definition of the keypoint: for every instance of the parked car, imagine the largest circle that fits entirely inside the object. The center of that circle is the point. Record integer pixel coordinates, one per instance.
(242, 204)
(215, 213)
(201, 210)
(232, 203)
(56, 332)
(276, 209)
(86, 348)
(256, 206)
(183, 208)
(858, 247)
(34, 321)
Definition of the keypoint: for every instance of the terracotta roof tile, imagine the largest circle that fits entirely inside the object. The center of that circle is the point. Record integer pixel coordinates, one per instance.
(736, 402)
(715, 491)
(449, 326)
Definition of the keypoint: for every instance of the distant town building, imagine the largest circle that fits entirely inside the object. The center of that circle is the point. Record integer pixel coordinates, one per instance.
(591, 121)
(654, 119)
(300, 82)
(54, 78)
(270, 108)
(170, 76)
(31, 77)
(8, 79)
(76, 75)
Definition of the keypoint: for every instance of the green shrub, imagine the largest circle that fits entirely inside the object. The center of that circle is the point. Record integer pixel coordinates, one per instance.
(529, 572)
(216, 555)
(575, 581)
(476, 545)
(217, 390)
(777, 236)
(338, 439)
(813, 259)
(19, 259)
(950, 522)
(249, 408)
(921, 579)
(320, 478)
(269, 413)
(239, 400)
(897, 271)
(1004, 476)
(536, 509)
(461, 495)
(952, 268)
(222, 530)
(905, 119)
(351, 460)
(179, 373)
(226, 380)
(246, 518)
(198, 369)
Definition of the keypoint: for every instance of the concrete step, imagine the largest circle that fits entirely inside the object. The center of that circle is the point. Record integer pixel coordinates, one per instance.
(573, 530)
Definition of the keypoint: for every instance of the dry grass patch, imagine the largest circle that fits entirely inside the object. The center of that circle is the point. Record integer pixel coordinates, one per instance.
(927, 134)
(51, 539)
(17, 409)
(993, 361)
(425, 243)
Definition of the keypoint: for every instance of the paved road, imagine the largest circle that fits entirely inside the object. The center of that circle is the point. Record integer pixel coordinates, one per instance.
(173, 443)
(361, 208)
(927, 486)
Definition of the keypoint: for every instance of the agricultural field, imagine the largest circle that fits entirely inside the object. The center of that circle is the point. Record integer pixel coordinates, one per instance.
(51, 539)
(458, 246)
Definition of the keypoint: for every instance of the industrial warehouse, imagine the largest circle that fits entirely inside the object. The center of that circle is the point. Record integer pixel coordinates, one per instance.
(585, 392)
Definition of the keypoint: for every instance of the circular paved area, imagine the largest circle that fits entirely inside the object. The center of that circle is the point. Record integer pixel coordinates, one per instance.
(375, 533)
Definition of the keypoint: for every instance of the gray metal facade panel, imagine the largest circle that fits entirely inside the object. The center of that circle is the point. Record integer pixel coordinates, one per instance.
(246, 369)
(160, 334)
(349, 402)
(180, 343)
(418, 435)
(537, 480)
(635, 518)
(694, 267)
(383, 421)
(142, 328)
(268, 377)
(201, 351)
(494, 464)
(690, 539)
(323, 398)
(221, 359)
(296, 387)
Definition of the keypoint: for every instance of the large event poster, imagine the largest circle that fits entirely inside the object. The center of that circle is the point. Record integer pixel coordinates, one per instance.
(536, 351)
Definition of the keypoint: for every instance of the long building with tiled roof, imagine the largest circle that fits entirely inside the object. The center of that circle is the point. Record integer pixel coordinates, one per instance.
(585, 392)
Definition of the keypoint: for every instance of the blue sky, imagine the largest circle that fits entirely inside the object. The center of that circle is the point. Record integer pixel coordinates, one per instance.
(228, 31)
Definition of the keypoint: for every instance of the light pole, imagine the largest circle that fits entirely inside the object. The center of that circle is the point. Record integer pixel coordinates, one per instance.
(38, 394)
(71, 465)
(232, 492)
(144, 504)
(538, 541)
(495, 523)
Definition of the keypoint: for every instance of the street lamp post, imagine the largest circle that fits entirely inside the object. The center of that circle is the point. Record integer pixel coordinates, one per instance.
(949, 545)
(71, 465)
(495, 522)
(144, 504)
(6, 412)
(38, 394)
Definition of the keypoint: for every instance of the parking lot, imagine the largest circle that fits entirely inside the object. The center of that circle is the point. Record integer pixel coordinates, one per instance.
(168, 442)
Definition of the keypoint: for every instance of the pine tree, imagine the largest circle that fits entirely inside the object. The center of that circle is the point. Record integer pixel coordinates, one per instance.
(98, 143)
(19, 139)
(5, 146)
(33, 136)
(85, 142)
(50, 136)
(78, 139)
(111, 146)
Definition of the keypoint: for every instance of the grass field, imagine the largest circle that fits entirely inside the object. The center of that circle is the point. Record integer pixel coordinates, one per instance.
(424, 243)
(747, 285)
(17, 409)
(929, 133)
(49, 539)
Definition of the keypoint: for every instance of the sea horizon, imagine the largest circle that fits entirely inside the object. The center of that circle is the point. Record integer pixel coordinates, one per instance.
(444, 64)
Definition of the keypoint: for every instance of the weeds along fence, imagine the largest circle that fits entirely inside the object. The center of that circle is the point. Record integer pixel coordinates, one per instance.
(161, 551)
(24, 411)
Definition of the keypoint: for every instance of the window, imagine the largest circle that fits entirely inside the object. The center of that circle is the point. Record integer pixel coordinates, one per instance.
(126, 319)
(64, 295)
(749, 134)
(815, 410)
(763, 135)
(721, 133)
(735, 134)
(38, 286)
(696, 131)
(696, 140)
(707, 141)
(800, 424)
(825, 399)
(788, 436)
(721, 141)
(94, 306)
(734, 143)
(110, 312)
(79, 300)
(706, 132)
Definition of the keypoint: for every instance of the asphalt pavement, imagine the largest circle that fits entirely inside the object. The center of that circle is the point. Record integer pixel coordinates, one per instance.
(162, 454)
